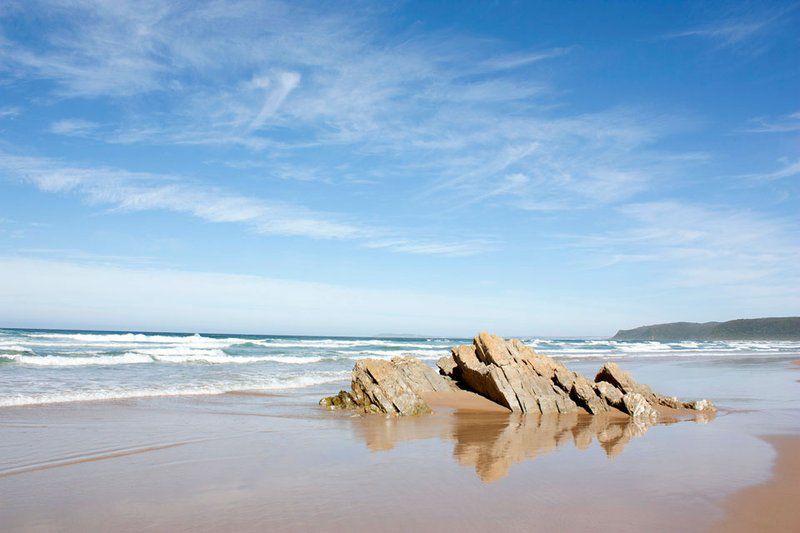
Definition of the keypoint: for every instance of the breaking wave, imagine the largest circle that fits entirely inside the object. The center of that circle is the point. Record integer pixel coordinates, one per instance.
(135, 358)
(180, 390)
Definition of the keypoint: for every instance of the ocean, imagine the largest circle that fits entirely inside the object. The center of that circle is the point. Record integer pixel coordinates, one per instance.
(45, 366)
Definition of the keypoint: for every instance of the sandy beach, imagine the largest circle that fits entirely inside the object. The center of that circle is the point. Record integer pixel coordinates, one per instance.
(772, 505)
(399, 266)
(279, 462)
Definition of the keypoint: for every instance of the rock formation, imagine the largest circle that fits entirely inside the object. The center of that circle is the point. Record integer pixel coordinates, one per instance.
(513, 375)
(391, 387)
(510, 374)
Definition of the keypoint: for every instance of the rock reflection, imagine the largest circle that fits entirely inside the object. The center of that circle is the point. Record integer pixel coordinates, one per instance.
(493, 443)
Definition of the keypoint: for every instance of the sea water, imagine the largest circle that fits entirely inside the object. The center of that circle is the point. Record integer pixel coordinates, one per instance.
(44, 367)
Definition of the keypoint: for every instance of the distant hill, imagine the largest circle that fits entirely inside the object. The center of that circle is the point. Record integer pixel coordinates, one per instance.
(782, 328)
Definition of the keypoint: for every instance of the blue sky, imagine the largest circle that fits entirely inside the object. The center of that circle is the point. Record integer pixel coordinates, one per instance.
(352, 168)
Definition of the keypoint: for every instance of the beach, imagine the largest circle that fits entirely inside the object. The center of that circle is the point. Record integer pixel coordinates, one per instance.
(275, 460)
(392, 266)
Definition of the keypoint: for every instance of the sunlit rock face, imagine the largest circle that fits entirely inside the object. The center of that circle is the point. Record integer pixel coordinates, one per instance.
(507, 372)
(390, 387)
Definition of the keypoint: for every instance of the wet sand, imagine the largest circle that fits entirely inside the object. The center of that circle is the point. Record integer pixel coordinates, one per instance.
(772, 505)
(250, 462)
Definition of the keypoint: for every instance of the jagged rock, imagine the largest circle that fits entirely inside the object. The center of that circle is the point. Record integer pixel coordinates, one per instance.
(487, 381)
(610, 394)
(508, 373)
(343, 400)
(670, 401)
(394, 387)
(513, 375)
(584, 394)
(612, 373)
(700, 405)
(448, 367)
(636, 405)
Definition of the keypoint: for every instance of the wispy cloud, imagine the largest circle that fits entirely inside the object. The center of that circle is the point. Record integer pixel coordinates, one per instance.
(123, 190)
(511, 61)
(286, 82)
(282, 80)
(547, 164)
(9, 112)
(705, 246)
(73, 127)
(452, 249)
(789, 169)
(738, 28)
(104, 56)
(786, 124)
(137, 191)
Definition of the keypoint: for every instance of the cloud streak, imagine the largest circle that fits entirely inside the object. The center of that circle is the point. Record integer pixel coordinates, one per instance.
(73, 127)
(786, 124)
(789, 170)
(127, 191)
(736, 30)
(138, 191)
(694, 246)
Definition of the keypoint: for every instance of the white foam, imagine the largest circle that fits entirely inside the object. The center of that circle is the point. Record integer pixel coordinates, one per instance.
(133, 340)
(14, 348)
(223, 358)
(130, 339)
(431, 354)
(293, 382)
(336, 343)
(58, 360)
(157, 356)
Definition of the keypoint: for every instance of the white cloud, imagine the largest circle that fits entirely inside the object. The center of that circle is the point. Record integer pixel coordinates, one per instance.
(140, 191)
(711, 248)
(9, 112)
(447, 107)
(573, 162)
(286, 82)
(738, 28)
(511, 61)
(789, 170)
(786, 124)
(112, 53)
(452, 249)
(727, 33)
(73, 127)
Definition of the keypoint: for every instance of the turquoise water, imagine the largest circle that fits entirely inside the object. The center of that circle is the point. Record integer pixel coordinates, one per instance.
(43, 367)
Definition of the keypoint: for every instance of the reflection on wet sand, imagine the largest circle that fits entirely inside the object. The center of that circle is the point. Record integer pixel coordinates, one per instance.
(493, 443)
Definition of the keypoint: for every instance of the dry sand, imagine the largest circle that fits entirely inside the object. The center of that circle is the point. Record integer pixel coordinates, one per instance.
(463, 401)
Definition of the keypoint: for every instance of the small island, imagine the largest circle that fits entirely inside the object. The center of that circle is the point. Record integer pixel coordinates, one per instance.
(777, 328)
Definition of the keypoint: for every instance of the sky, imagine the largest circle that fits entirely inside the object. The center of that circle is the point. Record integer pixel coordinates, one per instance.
(435, 168)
